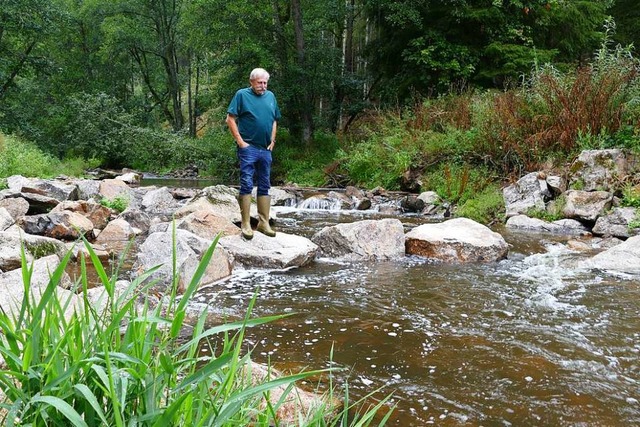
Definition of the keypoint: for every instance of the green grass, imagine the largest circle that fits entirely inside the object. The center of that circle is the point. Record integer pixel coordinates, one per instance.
(118, 203)
(124, 362)
(18, 157)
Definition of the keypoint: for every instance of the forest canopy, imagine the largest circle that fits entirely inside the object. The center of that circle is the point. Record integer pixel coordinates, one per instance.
(101, 79)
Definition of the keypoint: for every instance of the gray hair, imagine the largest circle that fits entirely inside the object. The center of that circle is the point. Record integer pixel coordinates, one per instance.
(258, 72)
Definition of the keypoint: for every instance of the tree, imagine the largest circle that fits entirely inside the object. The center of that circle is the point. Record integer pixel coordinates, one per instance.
(23, 27)
(149, 31)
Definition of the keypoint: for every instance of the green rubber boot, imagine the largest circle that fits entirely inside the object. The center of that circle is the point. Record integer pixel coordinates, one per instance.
(245, 213)
(264, 206)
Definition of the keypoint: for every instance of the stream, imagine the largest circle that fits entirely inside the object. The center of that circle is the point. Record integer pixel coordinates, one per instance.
(532, 340)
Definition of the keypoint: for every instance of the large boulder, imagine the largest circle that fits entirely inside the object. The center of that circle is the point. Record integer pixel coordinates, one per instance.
(218, 199)
(616, 223)
(6, 220)
(529, 192)
(96, 213)
(116, 236)
(157, 249)
(12, 286)
(586, 205)
(456, 240)
(112, 188)
(16, 206)
(623, 258)
(207, 224)
(600, 170)
(64, 225)
(362, 240)
(282, 251)
(13, 239)
(160, 203)
(564, 226)
(58, 190)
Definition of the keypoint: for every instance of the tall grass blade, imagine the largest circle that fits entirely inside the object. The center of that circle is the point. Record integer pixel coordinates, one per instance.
(63, 407)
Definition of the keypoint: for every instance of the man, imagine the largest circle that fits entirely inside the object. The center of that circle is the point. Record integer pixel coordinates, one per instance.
(252, 118)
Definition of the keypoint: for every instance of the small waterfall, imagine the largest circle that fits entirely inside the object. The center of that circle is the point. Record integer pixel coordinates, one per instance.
(321, 203)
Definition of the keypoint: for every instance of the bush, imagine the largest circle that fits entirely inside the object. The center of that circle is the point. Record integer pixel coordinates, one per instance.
(18, 157)
(485, 207)
(304, 166)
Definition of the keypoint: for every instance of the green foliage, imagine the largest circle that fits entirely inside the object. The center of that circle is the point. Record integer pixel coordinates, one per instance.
(485, 207)
(118, 203)
(457, 183)
(214, 154)
(18, 157)
(631, 196)
(305, 165)
(635, 223)
(118, 362)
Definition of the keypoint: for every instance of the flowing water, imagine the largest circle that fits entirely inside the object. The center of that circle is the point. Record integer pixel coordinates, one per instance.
(533, 340)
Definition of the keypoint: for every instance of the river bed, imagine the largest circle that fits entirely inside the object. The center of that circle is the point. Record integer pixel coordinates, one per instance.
(533, 340)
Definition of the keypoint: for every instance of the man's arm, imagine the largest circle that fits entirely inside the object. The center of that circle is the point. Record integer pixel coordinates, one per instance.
(274, 129)
(233, 128)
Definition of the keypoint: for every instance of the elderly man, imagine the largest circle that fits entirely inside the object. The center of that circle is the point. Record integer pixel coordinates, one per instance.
(252, 118)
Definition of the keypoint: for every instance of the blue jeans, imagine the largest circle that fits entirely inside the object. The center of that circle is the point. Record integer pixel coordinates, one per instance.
(258, 161)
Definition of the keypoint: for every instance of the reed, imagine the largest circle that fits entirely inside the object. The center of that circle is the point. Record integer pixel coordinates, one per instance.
(123, 361)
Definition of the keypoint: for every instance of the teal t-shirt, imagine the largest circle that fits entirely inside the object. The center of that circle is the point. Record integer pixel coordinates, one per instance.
(256, 114)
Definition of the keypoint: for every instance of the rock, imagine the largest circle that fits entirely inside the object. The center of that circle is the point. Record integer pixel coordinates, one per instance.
(456, 240)
(15, 183)
(362, 240)
(622, 258)
(12, 287)
(63, 225)
(586, 205)
(160, 203)
(556, 184)
(16, 206)
(130, 177)
(616, 223)
(566, 226)
(292, 404)
(39, 204)
(96, 213)
(60, 191)
(87, 188)
(529, 192)
(218, 199)
(523, 222)
(412, 204)
(157, 249)
(6, 220)
(430, 198)
(207, 225)
(112, 188)
(282, 251)
(137, 219)
(116, 235)
(600, 170)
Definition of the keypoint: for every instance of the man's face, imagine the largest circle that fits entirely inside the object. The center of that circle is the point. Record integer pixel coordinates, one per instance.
(259, 85)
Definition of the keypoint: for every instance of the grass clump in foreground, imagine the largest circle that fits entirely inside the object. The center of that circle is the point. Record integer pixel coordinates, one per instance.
(120, 362)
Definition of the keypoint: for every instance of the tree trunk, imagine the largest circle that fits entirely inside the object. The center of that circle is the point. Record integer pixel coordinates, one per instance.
(305, 102)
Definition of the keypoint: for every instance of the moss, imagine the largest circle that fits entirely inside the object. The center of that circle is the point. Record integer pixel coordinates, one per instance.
(41, 249)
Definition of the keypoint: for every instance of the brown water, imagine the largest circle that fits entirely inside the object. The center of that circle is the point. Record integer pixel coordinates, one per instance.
(533, 340)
